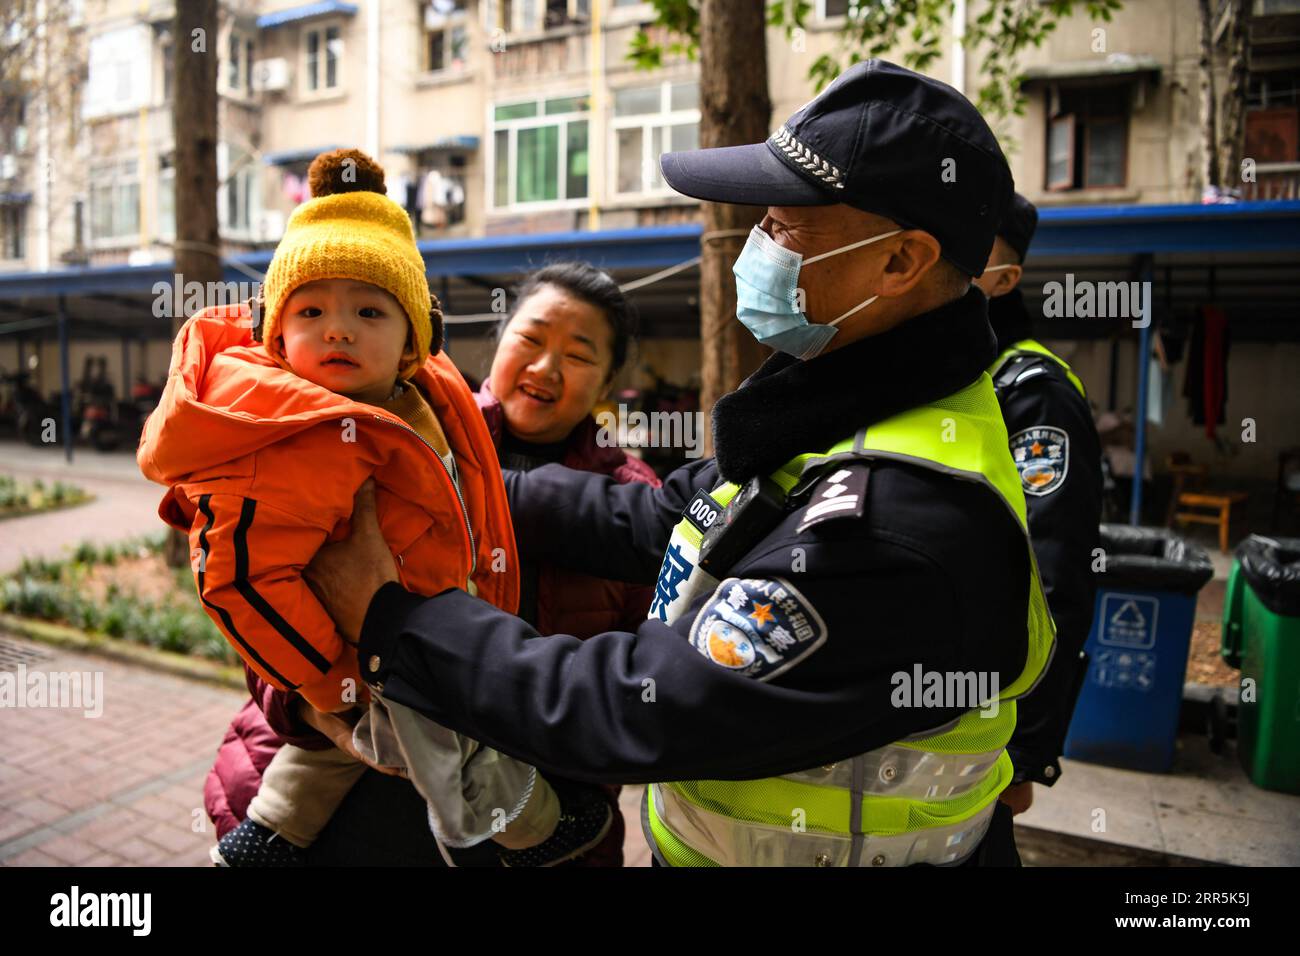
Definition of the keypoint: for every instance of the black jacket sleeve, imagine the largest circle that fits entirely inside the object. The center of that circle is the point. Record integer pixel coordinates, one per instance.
(591, 523)
(648, 706)
(1063, 526)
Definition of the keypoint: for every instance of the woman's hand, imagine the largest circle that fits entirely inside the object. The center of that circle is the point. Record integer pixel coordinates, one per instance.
(345, 575)
(339, 731)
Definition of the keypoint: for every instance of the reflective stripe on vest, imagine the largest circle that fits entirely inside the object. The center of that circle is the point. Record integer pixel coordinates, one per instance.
(925, 799)
(1032, 346)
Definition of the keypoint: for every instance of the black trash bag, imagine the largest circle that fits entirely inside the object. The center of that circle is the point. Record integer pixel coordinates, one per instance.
(1271, 567)
(1152, 558)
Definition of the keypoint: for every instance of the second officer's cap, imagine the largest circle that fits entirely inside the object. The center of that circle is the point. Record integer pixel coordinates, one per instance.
(1019, 224)
(882, 139)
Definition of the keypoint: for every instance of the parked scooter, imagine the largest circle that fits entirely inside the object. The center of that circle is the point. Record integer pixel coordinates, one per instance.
(23, 408)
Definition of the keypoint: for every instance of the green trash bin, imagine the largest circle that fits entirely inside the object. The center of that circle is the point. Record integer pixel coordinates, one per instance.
(1261, 638)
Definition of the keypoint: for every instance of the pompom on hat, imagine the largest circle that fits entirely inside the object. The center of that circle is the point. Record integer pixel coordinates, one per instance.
(350, 229)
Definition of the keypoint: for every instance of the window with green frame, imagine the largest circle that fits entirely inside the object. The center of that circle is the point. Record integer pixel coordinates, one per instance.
(540, 150)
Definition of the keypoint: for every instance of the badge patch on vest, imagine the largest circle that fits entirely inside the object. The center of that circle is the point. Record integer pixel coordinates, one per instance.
(1042, 456)
(758, 627)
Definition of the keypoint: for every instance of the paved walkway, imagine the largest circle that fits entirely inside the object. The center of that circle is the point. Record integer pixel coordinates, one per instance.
(126, 788)
(125, 504)
(1206, 809)
(121, 789)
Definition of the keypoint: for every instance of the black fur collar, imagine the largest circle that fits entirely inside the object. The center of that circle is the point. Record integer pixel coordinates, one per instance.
(789, 406)
(1010, 319)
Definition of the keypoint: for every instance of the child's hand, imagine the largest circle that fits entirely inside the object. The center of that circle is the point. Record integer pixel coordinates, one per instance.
(340, 732)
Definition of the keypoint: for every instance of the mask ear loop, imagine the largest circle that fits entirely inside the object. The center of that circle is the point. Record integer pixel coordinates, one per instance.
(860, 305)
(855, 245)
(836, 252)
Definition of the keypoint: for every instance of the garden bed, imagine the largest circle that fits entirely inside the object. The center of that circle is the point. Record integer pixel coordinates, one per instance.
(122, 591)
(19, 498)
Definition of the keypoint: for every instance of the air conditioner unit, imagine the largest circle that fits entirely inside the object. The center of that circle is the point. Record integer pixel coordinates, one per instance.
(8, 166)
(270, 76)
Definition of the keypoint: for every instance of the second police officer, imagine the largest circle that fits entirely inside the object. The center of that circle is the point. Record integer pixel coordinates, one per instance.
(860, 534)
(1057, 453)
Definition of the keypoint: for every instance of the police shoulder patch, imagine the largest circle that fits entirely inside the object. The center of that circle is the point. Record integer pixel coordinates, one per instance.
(1042, 456)
(841, 494)
(759, 627)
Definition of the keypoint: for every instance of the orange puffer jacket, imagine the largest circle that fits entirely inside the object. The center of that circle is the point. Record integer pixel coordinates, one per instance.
(261, 468)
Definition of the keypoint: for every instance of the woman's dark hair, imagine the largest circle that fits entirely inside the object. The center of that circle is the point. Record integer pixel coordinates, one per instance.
(593, 286)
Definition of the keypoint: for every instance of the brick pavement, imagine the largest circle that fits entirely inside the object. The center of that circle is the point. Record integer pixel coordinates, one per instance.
(126, 788)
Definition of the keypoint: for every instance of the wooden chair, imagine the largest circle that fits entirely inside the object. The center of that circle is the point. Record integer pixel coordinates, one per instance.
(1204, 507)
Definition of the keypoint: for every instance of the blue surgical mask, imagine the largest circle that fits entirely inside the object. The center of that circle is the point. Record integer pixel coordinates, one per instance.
(767, 287)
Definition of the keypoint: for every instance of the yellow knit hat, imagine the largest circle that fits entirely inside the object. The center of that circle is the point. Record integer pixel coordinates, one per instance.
(350, 229)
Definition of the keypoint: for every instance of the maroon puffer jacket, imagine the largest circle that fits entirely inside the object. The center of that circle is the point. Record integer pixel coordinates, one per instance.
(567, 603)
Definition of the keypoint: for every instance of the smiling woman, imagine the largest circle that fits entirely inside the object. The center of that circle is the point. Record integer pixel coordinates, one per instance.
(559, 349)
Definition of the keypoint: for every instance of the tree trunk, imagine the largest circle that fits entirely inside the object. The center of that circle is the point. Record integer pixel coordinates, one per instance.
(1209, 136)
(1232, 130)
(734, 110)
(194, 127)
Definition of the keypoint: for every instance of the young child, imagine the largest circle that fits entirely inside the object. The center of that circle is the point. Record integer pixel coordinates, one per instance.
(263, 442)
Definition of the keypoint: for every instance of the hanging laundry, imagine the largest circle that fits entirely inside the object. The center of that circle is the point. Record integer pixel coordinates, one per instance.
(432, 211)
(397, 188)
(1206, 383)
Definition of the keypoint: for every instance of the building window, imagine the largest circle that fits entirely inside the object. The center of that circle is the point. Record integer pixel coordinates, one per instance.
(237, 193)
(649, 121)
(120, 71)
(323, 55)
(238, 72)
(836, 9)
(114, 201)
(13, 124)
(446, 35)
(533, 16)
(1087, 138)
(540, 151)
(168, 68)
(166, 198)
(12, 228)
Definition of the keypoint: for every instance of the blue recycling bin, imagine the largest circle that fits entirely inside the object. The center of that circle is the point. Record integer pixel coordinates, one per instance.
(1127, 711)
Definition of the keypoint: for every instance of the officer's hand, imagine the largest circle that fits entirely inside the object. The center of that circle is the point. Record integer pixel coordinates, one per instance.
(345, 575)
(1019, 797)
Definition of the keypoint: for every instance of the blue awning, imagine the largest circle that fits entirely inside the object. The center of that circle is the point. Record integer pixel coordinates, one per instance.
(649, 247)
(446, 143)
(306, 11)
(287, 157)
(1266, 226)
(15, 199)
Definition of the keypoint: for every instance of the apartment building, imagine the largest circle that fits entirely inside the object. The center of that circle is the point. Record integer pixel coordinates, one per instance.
(516, 116)
(503, 118)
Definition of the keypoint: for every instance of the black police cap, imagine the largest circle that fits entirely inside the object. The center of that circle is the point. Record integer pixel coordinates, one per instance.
(1019, 225)
(882, 139)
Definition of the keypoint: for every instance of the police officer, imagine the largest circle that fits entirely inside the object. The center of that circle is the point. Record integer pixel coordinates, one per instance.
(846, 607)
(1057, 452)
